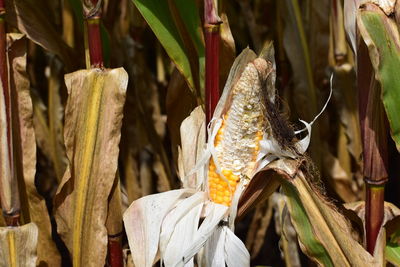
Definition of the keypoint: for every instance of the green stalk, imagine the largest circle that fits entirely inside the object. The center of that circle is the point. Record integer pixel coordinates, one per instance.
(212, 38)
(9, 186)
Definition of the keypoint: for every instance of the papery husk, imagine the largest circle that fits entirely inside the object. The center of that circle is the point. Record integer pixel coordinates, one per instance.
(324, 233)
(93, 119)
(143, 220)
(34, 208)
(18, 246)
(192, 132)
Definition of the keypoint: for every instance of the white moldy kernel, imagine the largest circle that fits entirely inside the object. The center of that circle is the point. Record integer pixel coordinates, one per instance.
(244, 121)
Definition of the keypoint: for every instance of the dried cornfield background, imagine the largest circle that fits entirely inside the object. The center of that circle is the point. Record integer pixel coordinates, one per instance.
(111, 148)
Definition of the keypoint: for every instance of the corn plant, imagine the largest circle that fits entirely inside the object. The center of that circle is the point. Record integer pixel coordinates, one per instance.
(199, 133)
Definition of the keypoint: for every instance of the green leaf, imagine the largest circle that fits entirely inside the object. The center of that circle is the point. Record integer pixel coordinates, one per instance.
(381, 35)
(392, 253)
(314, 248)
(173, 37)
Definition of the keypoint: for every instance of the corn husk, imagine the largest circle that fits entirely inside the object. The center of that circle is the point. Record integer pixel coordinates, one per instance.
(18, 246)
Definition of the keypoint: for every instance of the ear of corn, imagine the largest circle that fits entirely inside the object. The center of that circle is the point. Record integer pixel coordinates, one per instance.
(237, 140)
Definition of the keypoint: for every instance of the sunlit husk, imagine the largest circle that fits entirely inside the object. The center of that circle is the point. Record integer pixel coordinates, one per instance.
(18, 246)
(93, 119)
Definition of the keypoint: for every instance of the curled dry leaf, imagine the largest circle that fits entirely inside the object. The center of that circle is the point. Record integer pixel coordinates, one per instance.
(34, 208)
(93, 119)
(18, 246)
(324, 234)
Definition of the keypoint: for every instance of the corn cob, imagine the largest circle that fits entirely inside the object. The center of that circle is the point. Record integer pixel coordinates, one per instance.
(237, 140)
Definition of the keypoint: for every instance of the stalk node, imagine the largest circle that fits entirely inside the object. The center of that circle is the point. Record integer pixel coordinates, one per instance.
(376, 182)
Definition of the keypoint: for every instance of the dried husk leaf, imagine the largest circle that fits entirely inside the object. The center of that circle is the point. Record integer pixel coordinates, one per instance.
(93, 119)
(192, 132)
(324, 233)
(143, 220)
(18, 246)
(33, 205)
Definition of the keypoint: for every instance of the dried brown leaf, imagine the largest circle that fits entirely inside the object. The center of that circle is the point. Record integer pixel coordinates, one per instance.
(33, 205)
(93, 119)
(227, 50)
(55, 116)
(18, 246)
(258, 228)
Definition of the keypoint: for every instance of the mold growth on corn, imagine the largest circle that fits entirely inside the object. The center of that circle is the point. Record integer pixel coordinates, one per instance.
(237, 140)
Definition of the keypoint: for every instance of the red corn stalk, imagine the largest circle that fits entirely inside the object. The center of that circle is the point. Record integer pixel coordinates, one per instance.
(374, 137)
(212, 38)
(93, 20)
(10, 210)
(115, 251)
(94, 38)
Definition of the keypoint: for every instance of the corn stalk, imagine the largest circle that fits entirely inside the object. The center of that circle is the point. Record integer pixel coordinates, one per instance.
(92, 10)
(10, 201)
(212, 39)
